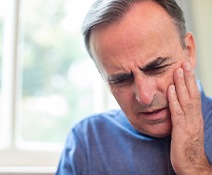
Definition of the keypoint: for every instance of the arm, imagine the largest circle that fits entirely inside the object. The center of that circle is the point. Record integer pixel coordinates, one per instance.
(187, 145)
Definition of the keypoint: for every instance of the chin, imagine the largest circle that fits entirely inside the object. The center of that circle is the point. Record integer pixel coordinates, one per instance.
(163, 132)
(158, 131)
(161, 135)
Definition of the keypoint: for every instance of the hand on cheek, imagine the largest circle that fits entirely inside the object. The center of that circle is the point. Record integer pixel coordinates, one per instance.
(187, 146)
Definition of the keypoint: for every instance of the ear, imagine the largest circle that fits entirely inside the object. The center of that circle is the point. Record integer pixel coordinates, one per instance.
(190, 49)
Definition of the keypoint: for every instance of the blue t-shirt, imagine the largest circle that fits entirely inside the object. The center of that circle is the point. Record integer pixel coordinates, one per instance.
(107, 144)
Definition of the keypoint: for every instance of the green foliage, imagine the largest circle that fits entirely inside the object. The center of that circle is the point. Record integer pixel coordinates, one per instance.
(47, 49)
(47, 52)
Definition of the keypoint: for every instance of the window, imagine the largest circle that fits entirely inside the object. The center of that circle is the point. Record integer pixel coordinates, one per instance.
(1, 38)
(2, 31)
(1, 35)
(53, 67)
(48, 80)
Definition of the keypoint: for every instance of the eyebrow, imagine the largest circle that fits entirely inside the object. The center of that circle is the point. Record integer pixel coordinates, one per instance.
(117, 77)
(150, 66)
(155, 63)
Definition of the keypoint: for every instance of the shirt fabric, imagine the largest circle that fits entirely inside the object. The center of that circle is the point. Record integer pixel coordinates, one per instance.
(107, 144)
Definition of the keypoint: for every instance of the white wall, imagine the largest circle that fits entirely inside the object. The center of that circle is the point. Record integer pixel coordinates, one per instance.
(202, 28)
(198, 20)
(27, 171)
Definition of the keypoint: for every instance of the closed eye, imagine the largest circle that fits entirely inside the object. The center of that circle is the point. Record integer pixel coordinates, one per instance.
(156, 70)
(121, 79)
(157, 66)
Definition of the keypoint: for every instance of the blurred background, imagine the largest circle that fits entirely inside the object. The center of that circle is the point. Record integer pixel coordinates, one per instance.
(48, 82)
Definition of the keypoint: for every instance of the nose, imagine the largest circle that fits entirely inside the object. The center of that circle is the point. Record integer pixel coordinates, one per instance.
(144, 90)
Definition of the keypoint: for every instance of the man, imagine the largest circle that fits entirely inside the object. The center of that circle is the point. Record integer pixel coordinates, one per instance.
(143, 52)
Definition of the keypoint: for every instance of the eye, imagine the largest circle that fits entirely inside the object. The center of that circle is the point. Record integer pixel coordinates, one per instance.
(157, 66)
(156, 70)
(121, 80)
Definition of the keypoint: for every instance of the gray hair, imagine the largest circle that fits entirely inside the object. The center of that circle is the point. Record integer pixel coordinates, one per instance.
(105, 12)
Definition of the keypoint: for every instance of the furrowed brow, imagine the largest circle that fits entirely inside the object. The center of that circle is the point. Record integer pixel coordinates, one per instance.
(119, 77)
(155, 63)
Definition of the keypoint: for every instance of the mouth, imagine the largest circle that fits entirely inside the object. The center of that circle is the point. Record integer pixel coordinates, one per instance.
(153, 111)
(157, 115)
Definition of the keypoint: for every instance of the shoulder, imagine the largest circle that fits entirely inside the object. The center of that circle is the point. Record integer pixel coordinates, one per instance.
(207, 116)
(206, 104)
(100, 118)
(95, 123)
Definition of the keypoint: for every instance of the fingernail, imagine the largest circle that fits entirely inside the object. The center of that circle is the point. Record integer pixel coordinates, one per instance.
(187, 66)
(172, 88)
(180, 72)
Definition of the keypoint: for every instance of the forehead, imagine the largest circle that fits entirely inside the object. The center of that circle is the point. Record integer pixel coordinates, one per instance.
(146, 28)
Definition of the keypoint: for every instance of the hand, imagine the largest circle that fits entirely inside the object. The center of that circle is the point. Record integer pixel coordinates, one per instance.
(187, 145)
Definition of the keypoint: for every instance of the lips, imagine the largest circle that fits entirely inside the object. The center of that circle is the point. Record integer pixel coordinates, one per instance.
(153, 111)
(155, 116)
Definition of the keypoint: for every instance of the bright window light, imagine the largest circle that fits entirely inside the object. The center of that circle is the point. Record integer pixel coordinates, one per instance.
(57, 79)
(47, 80)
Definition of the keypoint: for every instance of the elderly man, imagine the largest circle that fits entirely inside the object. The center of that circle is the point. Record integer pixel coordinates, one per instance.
(143, 52)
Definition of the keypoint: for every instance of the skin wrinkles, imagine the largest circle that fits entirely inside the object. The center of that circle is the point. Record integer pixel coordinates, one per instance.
(137, 57)
(159, 65)
(150, 74)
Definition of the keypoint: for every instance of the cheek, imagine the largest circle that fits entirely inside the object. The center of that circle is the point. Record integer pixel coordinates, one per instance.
(165, 81)
(124, 96)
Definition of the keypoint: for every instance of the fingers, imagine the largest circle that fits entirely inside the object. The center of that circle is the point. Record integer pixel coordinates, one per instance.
(177, 113)
(187, 146)
(181, 89)
(191, 84)
(186, 93)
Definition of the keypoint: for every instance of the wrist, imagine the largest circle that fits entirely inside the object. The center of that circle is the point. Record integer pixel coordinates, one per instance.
(209, 170)
(206, 171)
